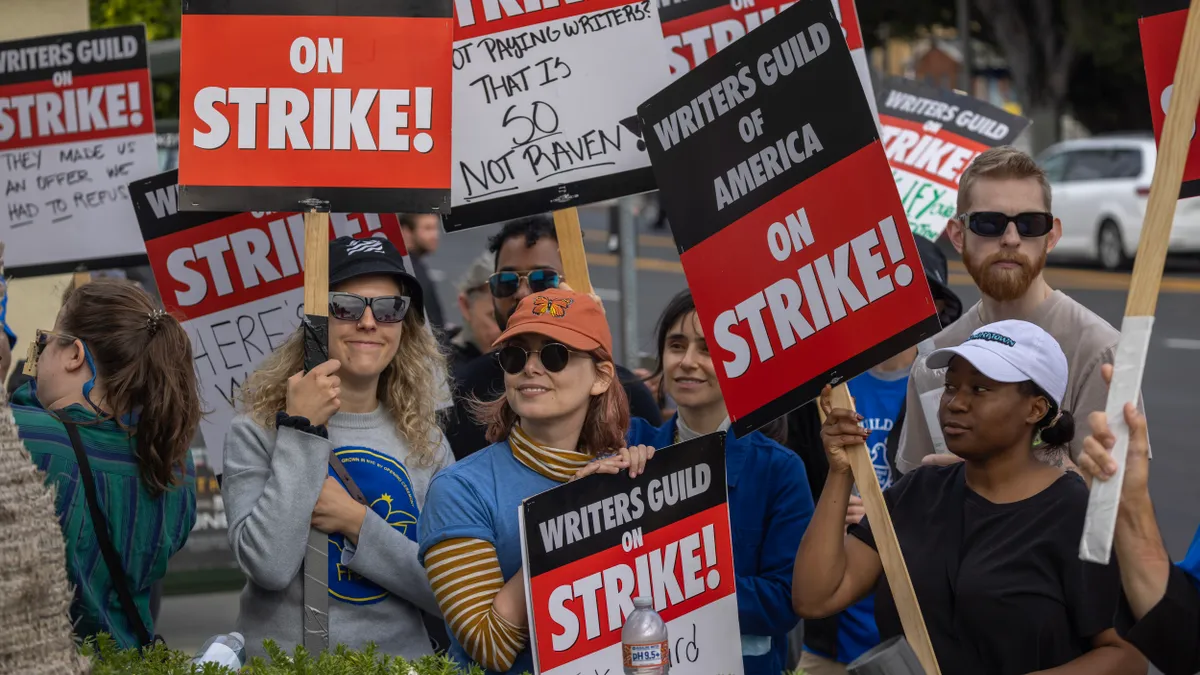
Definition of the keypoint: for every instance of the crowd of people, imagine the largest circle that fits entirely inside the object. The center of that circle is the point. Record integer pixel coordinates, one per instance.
(985, 440)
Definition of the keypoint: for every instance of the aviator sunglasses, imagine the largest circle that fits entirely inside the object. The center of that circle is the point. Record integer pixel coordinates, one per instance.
(385, 308)
(554, 356)
(994, 224)
(504, 284)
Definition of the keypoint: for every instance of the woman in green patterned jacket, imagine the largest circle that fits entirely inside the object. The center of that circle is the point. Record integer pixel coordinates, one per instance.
(115, 399)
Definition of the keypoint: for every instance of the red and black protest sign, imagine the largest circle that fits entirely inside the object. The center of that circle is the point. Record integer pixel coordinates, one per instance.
(283, 101)
(931, 135)
(1161, 27)
(236, 283)
(590, 547)
(76, 126)
(792, 236)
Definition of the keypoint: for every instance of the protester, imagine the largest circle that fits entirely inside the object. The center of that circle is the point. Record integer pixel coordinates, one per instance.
(1004, 230)
(1162, 599)
(371, 407)
(769, 504)
(559, 412)
(109, 421)
(527, 261)
(421, 232)
(989, 542)
(479, 329)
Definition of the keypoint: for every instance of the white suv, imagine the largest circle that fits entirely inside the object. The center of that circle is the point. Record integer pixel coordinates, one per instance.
(1101, 185)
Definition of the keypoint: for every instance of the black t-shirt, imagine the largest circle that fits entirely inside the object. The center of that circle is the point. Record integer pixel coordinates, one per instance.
(1001, 586)
(483, 379)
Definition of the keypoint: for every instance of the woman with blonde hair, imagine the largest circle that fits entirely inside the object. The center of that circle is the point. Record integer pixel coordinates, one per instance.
(368, 413)
(561, 410)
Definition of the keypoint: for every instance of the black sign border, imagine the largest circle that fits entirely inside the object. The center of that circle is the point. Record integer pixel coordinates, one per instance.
(1017, 124)
(139, 62)
(268, 198)
(433, 9)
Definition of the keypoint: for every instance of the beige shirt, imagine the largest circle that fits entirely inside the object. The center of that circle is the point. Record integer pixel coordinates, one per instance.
(1087, 340)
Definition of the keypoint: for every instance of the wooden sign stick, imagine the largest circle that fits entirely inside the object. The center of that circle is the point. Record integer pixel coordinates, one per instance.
(1130, 361)
(316, 351)
(570, 247)
(886, 542)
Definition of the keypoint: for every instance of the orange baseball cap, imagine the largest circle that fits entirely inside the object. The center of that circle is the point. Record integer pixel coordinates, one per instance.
(574, 319)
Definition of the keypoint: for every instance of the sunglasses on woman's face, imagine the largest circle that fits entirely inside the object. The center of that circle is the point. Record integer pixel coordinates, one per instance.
(995, 224)
(554, 356)
(385, 308)
(41, 340)
(505, 284)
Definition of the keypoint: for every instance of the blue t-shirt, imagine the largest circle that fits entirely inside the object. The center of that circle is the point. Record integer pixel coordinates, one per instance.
(479, 498)
(878, 400)
(1191, 562)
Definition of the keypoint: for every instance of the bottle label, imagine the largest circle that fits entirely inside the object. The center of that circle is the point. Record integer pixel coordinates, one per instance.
(646, 655)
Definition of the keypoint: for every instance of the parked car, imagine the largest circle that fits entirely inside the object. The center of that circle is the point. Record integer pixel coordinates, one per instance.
(1101, 186)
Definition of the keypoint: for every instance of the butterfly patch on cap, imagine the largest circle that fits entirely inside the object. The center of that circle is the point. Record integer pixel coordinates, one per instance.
(554, 307)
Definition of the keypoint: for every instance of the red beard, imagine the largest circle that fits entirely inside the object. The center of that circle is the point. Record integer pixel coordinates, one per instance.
(1002, 284)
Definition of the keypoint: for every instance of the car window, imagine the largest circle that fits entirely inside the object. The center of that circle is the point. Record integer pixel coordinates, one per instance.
(1089, 165)
(1126, 164)
(1055, 166)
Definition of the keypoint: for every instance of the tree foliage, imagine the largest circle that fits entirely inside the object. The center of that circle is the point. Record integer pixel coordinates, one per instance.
(162, 21)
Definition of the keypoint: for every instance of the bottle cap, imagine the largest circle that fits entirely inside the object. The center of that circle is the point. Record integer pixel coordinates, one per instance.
(642, 602)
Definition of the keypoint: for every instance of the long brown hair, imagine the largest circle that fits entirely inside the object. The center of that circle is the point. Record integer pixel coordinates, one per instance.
(408, 388)
(603, 428)
(144, 364)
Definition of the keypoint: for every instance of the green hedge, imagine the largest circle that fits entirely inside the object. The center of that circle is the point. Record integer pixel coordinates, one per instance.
(108, 659)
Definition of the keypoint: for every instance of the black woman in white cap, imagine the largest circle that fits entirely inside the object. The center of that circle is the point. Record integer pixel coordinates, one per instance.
(992, 542)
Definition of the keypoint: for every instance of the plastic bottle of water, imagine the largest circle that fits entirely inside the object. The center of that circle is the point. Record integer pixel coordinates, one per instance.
(644, 648)
(225, 650)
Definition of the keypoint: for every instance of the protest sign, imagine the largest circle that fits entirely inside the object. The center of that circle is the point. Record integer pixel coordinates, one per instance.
(235, 281)
(590, 547)
(76, 126)
(545, 103)
(931, 135)
(694, 30)
(342, 102)
(789, 224)
(1161, 28)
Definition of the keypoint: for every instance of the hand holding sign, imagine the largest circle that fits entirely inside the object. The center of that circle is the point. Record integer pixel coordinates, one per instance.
(314, 395)
(841, 429)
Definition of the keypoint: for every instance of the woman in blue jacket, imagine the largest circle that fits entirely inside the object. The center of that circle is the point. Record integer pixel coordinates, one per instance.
(770, 502)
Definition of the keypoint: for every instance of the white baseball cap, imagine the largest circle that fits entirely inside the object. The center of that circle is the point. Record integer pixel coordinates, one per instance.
(1012, 351)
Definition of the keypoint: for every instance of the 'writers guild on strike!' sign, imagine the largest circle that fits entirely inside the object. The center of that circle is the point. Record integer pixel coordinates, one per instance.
(590, 547)
(352, 109)
(786, 215)
(76, 126)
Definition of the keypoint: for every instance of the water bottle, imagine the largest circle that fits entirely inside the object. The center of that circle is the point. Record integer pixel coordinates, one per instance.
(223, 650)
(644, 647)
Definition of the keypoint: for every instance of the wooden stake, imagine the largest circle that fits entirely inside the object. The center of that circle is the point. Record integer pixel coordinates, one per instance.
(1130, 361)
(316, 310)
(886, 542)
(81, 277)
(570, 247)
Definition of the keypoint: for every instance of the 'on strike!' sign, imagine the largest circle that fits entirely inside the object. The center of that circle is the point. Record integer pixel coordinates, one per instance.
(590, 547)
(344, 102)
(793, 238)
(1161, 27)
(76, 125)
(236, 282)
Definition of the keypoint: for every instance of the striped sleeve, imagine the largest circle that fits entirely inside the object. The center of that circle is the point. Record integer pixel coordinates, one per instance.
(465, 576)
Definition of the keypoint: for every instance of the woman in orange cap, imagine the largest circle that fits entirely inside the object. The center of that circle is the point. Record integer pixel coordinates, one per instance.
(561, 409)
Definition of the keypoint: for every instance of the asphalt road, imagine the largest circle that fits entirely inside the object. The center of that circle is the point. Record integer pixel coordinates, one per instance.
(1170, 385)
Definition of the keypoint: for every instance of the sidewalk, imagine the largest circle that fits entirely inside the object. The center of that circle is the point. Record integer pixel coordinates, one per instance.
(187, 621)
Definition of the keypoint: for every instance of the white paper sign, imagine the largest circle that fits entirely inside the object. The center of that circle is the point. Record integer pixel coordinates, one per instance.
(545, 105)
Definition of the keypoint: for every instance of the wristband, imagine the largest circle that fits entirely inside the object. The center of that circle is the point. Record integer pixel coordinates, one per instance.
(283, 420)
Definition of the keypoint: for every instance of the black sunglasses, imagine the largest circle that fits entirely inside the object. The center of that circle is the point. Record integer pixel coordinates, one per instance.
(994, 223)
(385, 308)
(504, 284)
(554, 356)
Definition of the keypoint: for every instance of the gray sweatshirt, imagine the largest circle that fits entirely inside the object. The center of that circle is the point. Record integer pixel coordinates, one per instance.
(271, 483)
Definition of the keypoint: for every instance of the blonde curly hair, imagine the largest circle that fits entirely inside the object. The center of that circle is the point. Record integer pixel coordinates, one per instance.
(408, 387)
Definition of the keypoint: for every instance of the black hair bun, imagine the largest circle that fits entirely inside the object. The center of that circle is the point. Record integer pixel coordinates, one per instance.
(1061, 433)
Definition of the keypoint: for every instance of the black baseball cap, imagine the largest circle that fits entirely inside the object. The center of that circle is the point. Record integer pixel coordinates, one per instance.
(937, 273)
(350, 258)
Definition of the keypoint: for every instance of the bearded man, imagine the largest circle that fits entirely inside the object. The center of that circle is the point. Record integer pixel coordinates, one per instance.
(1004, 230)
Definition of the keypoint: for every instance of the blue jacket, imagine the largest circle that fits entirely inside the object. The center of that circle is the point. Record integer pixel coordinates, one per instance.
(770, 505)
